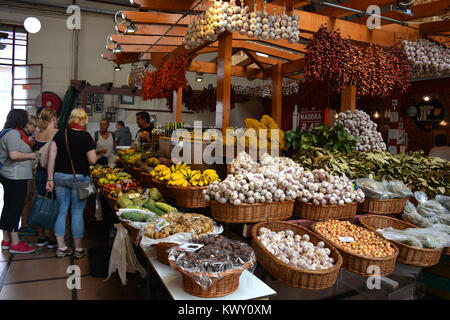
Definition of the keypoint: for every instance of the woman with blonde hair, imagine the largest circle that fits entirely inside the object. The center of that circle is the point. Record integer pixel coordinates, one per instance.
(47, 125)
(81, 147)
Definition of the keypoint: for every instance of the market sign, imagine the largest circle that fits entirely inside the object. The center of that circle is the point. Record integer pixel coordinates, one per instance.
(309, 118)
(428, 115)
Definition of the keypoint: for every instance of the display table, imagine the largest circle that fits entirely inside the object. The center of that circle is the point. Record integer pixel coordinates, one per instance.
(250, 287)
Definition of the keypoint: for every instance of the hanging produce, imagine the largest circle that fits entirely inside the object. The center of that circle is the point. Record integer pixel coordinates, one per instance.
(136, 75)
(426, 58)
(290, 88)
(227, 16)
(168, 78)
(359, 125)
(374, 70)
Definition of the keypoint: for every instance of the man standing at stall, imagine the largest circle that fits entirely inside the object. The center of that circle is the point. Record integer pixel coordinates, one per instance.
(144, 135)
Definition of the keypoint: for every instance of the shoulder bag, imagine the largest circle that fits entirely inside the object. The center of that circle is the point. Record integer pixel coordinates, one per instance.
(85, 189)
(44, 212)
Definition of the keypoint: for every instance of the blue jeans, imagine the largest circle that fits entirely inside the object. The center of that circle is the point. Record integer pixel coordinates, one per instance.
(67, 195)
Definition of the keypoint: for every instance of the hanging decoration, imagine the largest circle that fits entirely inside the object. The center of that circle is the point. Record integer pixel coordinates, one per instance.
(227, 16)
(290, 88)
(374, 70)
(136, 75)
(426, 58)
(168, 78)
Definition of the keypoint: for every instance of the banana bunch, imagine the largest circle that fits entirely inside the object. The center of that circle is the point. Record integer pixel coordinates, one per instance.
(183, 176)
(205, 178)
(161, 173)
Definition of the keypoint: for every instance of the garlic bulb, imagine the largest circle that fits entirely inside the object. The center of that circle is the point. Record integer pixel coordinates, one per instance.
(359, 125)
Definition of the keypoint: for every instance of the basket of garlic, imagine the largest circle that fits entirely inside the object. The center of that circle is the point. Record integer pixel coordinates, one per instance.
(256, 192)
(296, 256)
(363, 251)
(325, 196)
(412, 255)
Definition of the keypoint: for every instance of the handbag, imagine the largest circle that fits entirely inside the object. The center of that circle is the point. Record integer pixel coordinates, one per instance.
(44, 212)
(85, 189)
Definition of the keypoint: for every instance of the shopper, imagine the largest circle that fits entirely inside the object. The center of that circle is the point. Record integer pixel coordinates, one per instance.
(441, 150)
(123, 134)
(15, 157)
(30, 130)
(145, 132)
(61, 178)
(47, 125)
(105, 144)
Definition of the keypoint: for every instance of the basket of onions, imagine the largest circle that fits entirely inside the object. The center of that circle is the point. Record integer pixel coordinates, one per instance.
(325, 196)
(296, 256)
(363, 251)
(415, 256)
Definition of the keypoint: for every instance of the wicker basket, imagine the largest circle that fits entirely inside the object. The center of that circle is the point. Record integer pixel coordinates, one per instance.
(358, 263)
(146, 179)
(324, 212)
(189, 197)
(294, 277)
(162, 188)
(414, 256)
(388, 206)
(162, 249)
(226, 284)
(251, 213)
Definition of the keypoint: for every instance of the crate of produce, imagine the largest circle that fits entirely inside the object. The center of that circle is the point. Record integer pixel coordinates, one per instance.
(251, 213)
(414, 256)
(212, 277)
(388, 206)
(288, 274)
(162, 251)
(189, 197)
(356, 262)
(308, 210)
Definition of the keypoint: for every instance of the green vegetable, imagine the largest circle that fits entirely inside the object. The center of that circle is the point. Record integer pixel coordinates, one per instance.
(153, 208)
(155, 194)
(165, 207)
(134, 216)
(124, 201)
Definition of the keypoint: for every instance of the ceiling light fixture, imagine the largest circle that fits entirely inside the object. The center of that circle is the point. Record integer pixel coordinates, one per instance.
(131, 29)
(376, 115)
(118, 48)
(32, 24)
(117, 67)
(426, 98)
(199, 79)
(262, 54)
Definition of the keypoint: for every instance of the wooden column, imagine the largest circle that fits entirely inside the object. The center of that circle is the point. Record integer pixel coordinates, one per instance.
(277, 93)
(348, 98)
(223, 100)
(177, 104)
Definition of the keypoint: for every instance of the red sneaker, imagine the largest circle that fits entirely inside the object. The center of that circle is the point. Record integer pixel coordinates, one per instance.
(21, 248)
(5, 245)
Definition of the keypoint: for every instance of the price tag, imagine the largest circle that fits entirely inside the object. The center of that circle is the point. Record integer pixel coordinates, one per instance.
(189, 247)
(160, 225)
(355, 187)
(346, 239)
(133, 195)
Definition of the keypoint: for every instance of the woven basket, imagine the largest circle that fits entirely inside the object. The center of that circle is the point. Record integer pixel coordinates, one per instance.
(358, 263)
(251, 213)
(146, 179)
(162, 188)
(226, 284)
(388, 206)
(162, 249)
(414, 256)
(189, 197)
(295, 277)
(324, 212)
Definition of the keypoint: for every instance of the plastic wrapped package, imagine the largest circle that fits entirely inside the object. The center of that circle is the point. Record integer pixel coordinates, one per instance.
(373, 189)
(418, 237)
(444, 219)
(431, 209)
(443, 200)
(441, 228)
(216, 256)
(420, 196)
(397, 189)
(122, 213)
(411, 214)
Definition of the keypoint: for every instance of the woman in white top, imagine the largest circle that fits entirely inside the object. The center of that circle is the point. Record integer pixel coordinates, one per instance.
(105, 144)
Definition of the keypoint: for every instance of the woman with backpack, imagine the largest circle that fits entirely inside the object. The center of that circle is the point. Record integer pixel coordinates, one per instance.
(16, 169)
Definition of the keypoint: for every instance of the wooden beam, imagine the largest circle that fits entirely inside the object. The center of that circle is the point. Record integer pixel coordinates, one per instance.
(245, 63)
(165, 5)
(124, 58)
(299, 4)
(293, 66)
(278, 43)
(139, 48)
(148, 40)
(419, 11)
(223, 101)
(435, 27)
(277, 93)
(154, 30)
(155, 17)
(255, 59)
(348, 99)
(265, 49)
(353, 4)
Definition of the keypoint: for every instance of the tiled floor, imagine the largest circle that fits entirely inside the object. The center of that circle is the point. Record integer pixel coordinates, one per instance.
(43, 276)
